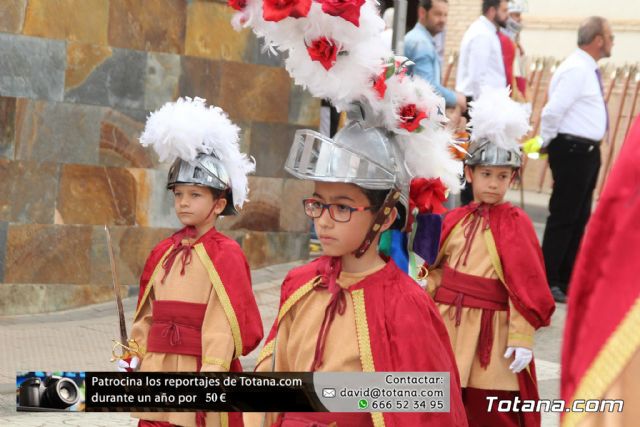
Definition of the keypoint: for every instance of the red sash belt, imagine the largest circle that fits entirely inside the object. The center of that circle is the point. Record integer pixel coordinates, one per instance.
(464, 290)
(176, 328)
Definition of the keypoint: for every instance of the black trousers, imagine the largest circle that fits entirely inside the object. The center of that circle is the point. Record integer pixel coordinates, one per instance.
(574, 167)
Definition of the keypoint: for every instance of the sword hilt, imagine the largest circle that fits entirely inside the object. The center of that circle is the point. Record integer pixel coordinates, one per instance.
(128, 350)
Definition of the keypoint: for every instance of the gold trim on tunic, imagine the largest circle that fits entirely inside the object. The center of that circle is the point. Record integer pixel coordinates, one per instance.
(269, 347)
(222, 296)
(147, 290)
(296, 296)
(610, 361)
(266, 351)
(364, 343)
(216, 361)
(493, 253)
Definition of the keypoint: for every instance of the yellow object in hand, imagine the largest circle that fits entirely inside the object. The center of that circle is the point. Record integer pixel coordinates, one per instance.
(532, 146)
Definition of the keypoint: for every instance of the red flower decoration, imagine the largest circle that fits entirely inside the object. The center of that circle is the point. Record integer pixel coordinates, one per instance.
(237, 4)
(324, 51)
(277, 10)
(349, 10)
(427, 195)
(380, 84)
(410, 117)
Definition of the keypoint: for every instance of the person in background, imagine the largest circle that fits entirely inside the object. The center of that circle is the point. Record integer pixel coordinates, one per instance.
(488, 280)
(574, 122)
(420, 47)
(196, 310)
(512, 51)
(481, 63)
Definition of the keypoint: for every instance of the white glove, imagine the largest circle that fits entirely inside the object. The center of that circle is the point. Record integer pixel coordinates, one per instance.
(131, 366)
(523, 357)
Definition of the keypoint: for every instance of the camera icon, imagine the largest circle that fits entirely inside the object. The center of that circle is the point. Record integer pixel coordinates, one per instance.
(53, 392)
(329, 392)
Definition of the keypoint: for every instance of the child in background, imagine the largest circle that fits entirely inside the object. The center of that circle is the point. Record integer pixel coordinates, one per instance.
(196, 309)
(489, 281)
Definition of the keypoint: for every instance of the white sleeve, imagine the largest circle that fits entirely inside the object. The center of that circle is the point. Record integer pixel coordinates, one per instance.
(479, 56)
(563, 93)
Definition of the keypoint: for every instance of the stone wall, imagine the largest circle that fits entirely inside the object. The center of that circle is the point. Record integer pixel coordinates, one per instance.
(77, 79)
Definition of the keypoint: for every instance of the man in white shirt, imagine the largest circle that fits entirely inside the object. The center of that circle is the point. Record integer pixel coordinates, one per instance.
(480, 63)
(574, 121)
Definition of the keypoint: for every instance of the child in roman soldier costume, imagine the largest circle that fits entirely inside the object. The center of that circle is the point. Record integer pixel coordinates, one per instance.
(489, 280)
(354, 309)
(196, 309)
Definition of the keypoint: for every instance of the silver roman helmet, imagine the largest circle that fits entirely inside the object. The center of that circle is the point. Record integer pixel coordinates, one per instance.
(207, 171)
(203, 144)
(497, 124)
(485, 152)
(358, 154)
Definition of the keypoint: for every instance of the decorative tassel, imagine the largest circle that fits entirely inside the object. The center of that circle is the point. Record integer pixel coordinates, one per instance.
(485, 342)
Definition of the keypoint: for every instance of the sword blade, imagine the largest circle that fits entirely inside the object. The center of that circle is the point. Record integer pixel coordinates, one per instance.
(116, 289)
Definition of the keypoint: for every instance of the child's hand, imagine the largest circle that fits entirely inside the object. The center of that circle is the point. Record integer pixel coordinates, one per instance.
(130, 364)
(523, 357)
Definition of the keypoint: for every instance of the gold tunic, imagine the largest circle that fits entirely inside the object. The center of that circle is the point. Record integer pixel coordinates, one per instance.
(510, 328)
(217, 340)
(298, 333)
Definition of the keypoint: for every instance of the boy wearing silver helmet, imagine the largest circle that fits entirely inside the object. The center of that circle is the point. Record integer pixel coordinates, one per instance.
(489, 280)
(196, 309)
(353, 309)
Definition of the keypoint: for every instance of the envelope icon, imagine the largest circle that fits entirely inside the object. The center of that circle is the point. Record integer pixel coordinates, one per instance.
(328, 392)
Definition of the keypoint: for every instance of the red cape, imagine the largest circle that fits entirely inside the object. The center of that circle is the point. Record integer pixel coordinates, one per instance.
(231, 265)
(524, 273)
(406, 333)
(520, 256)
(605, 285)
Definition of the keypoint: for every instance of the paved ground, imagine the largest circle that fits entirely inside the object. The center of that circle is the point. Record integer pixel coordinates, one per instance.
(81, 340)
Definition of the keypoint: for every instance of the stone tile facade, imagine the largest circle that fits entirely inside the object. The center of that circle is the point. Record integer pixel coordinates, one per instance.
(77, 80)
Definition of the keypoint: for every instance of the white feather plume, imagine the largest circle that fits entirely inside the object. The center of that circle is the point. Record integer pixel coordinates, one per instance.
(351, 79)
(188, 127)
(427, 155)
(498, 118)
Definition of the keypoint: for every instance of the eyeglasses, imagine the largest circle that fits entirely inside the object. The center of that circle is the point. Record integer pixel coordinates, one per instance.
(338, 212)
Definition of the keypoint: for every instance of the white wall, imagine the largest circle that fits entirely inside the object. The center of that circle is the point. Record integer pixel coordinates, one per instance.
(551, 27)
(610, 9)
